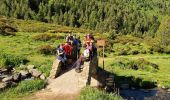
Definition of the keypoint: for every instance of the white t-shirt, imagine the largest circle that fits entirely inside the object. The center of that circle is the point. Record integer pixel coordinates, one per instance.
(86, 53)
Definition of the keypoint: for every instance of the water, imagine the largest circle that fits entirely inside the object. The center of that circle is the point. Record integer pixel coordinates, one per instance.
(143, 94)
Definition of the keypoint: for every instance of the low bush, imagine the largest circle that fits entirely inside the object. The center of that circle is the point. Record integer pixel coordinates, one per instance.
(167, 49)
(46, 49)
(139, 64)
(9, 60)
(123, 52)
(89, 93)
(7, 27)
(47, 37)
(127, 39)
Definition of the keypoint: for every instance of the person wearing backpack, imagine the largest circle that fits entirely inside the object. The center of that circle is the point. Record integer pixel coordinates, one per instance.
(60, 54)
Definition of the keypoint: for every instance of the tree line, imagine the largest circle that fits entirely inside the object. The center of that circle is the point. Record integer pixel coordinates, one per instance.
(136, 17)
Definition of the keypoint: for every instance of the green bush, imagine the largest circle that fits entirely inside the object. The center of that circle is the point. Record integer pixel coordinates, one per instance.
(89, 93)
(46, 49)
(139, 64)
(167, 50)
(123, 52)
(10, 60)
(7, 27)
(124, 39)
(46, 37)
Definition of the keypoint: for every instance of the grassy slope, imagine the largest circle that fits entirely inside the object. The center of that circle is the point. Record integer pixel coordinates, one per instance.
(23, 44)
(162, 77)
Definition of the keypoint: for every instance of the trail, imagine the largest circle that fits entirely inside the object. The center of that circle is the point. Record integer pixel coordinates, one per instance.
(67, 86)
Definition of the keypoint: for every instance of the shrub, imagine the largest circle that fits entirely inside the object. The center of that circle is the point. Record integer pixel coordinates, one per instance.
(139, 64)
(167, 49)
(89, 93)
(46, 37)
(47, 49)
(134, 52)
(127, 39)
(6, 27)
(123, 52)
(9, 60)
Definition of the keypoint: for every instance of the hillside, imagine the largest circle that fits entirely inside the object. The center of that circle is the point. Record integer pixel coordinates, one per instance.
(123, 16)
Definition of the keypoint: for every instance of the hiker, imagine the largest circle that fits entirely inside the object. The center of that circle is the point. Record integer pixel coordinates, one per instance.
(69, 38)
(68, 52)
(93, 50)
(67, 49)
(88, 40)
(61, 54)
(83, 57)
(75, 46)
(79, 45)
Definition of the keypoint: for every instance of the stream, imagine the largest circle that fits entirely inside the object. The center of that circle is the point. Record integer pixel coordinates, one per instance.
(145, 94)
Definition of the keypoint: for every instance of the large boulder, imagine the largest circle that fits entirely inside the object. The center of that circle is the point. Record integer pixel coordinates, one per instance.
(7, 79)
(35, 73)
(17, 77)
(42, 77)
(24, 74)
(3, 86)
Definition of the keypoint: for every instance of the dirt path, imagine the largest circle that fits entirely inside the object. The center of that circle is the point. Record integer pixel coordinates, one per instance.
(65, 87)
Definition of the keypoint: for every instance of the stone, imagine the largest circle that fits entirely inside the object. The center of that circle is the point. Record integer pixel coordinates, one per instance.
(24, 74)
(35, 73)
(56, 69)
(168, 90)
(17, 76)
(30, 67)
(7, 79)
(3, 70)
(163, 87)
(42, 77)
(3, 76)
(3, 86)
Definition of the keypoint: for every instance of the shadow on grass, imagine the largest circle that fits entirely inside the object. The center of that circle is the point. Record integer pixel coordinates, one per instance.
(143, 89)
(102, 75)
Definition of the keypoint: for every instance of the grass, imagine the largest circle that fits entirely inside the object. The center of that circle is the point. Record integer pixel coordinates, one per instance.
(161, 76)
(89, 93)
(24, 88)
(25, 44)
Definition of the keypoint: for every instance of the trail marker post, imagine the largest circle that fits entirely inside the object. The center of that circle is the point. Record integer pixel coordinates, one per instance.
(101, 44)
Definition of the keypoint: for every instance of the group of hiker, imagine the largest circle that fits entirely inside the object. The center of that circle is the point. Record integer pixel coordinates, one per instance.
(70, 51)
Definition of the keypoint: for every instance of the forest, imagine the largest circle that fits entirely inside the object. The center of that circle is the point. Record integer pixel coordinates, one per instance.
(136, 17)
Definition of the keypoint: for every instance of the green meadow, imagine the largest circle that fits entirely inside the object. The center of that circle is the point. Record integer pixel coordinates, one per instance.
(36, 42)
